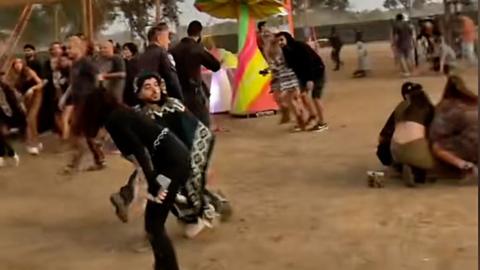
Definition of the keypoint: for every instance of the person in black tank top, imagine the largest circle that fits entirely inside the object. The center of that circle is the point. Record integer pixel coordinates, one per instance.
(29, 84)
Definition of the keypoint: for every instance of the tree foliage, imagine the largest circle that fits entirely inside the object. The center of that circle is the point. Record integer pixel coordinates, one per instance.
(140, 14)
(393, 4)
(332, 4)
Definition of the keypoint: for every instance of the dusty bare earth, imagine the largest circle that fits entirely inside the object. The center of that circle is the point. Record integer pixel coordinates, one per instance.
(301, 200)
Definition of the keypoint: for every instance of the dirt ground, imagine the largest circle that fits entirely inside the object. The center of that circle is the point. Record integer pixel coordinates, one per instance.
(301, 200)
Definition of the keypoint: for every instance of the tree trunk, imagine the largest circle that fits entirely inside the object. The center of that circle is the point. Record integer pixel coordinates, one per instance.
(158, 11)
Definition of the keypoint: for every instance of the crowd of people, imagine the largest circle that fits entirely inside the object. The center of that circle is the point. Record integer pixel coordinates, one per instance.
(418, 50)
(152, 106)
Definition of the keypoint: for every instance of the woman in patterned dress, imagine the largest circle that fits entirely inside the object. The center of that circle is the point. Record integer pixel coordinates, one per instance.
(285, 85)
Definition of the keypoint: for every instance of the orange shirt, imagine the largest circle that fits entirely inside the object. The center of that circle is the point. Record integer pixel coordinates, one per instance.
(469, 30)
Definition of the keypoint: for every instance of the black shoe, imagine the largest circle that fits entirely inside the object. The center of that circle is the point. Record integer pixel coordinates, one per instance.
(408, 177)
(121, 207)
(319, 128)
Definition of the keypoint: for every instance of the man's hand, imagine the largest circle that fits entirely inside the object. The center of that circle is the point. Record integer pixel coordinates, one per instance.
(159, 198)
(101, 77)
(310, 85)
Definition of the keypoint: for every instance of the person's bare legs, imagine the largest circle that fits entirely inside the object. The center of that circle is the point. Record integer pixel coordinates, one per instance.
(294, 102)
(308, 104)
(66, 120)
(317, 103)
(33, 102)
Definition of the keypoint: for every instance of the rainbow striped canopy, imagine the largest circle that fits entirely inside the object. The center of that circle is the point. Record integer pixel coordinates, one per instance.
(230, 9)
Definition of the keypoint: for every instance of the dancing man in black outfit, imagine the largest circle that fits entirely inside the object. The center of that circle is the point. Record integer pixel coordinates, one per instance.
(156, 152)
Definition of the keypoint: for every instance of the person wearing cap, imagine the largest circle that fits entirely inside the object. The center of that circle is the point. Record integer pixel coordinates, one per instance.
(157, 59)
(190, 55)
(193, 207)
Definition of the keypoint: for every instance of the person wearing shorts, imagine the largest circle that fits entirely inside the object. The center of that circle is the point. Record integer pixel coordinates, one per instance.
(310, 70)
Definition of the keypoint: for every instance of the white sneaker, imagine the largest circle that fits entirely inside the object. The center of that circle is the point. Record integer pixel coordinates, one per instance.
(40, 147)
(2, 162)
(192, 230)
(16, 160)
(33, 150)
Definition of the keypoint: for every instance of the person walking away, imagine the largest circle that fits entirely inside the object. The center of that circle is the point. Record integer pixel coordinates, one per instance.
(310, 71)
(31, 60)
(190, 56)
(362, 53)
(469, 38)
(337, 44)
(29, 84)
(130, 56)
(157, 59)
(404, 44)
(112, 70)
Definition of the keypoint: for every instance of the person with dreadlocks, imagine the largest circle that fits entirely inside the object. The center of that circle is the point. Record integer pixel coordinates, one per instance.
(195, 206)
(158, 155)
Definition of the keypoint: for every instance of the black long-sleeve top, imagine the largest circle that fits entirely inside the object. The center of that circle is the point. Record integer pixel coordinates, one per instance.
(157, 59)
(176, 117)
(304, 61)
(155, 148)
(189, 57)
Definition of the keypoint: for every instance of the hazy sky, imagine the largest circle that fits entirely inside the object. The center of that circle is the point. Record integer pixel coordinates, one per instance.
(190, 12)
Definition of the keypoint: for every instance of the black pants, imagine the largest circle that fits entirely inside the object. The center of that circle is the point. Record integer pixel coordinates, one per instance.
(6, 150)
(336, 57)
(172, 161)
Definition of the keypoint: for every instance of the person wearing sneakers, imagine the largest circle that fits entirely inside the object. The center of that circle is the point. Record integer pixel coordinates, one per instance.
(195, 206)
(78, 52)
(154, 150)
(285, 85)
(11, 116)
(26, 81)
(310, 71)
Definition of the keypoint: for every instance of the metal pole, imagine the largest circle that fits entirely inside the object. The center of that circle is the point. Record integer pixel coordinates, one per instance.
(291, 24)
(56, 22)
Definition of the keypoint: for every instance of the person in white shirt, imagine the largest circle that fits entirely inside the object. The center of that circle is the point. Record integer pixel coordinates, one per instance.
(363, 61)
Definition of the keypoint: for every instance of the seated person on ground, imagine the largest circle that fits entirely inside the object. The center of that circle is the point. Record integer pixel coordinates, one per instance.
(385, 138)
(454, 130)
(409, 144)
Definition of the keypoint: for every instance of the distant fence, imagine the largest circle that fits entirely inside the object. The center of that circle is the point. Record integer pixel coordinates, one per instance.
(378, 30)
